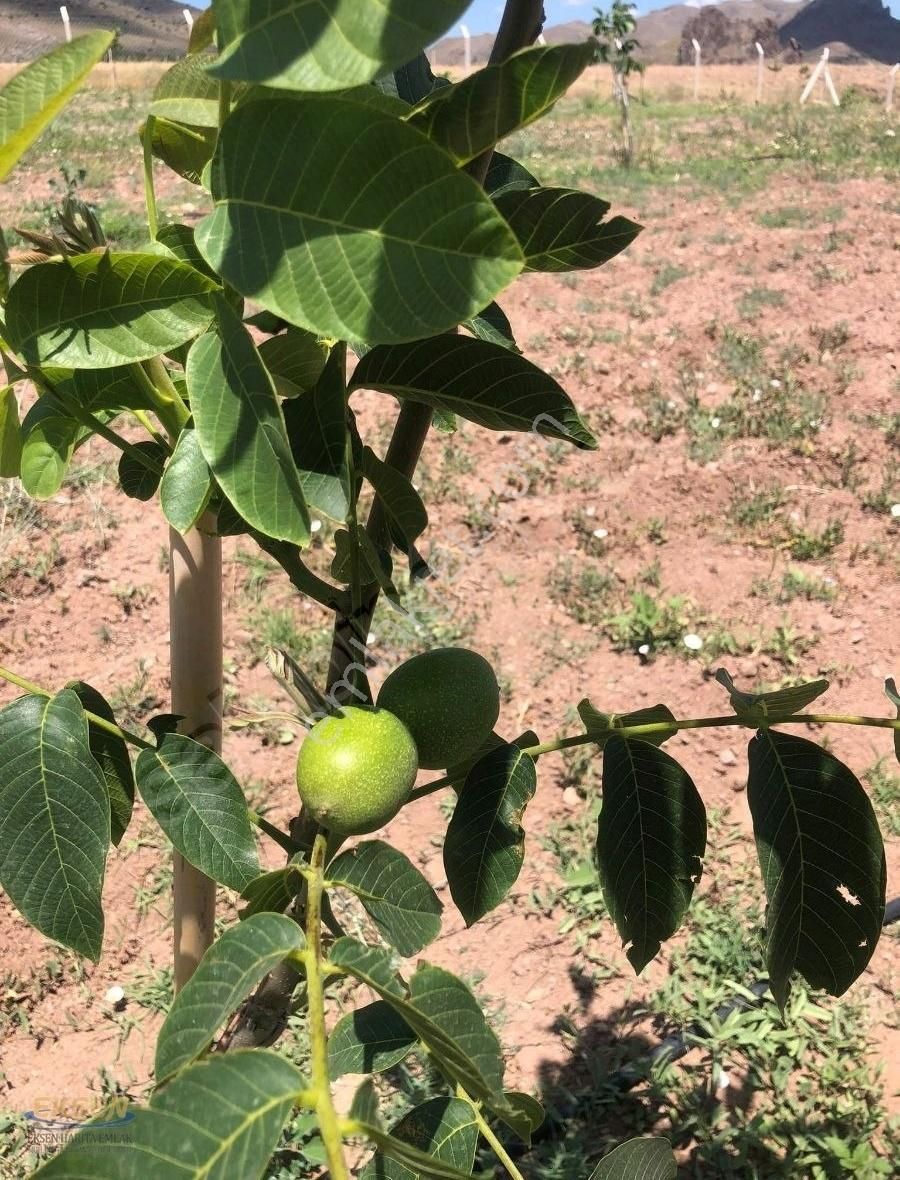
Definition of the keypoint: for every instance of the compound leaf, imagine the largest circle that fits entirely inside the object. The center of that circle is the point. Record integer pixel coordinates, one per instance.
(638, 1159)
(598, 724)
(111, 755)
(219, 1119)
(241, 430)
(186, 484)
(197, 802)
(444, 1129)
(370, 1040)
(403, 505)
(470, 117)
(225, 976)
(10, 434)
(97, 311)
(374, 264)
(485, 844)
(562, 229)
(393, 893)
(54, 820)
(324, 44)
(651, 837)
(484, 382)
(35, 95)
(771, 706)
(822, 861)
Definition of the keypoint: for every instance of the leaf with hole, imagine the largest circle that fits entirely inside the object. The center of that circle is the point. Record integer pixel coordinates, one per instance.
(562, 230)
(54, 820)
(197, 802)
(369, 1040)
(224, 978)
(468, 118)
(444, 1129)
(298, 237)
(112, 757)
(97, 311)
(483, 382)
(34, 96)
(186, 484)
(324, 44)
(393, 893)
(822, 861)
(651, 837)
(241, 430)
(219, 1119)
(638, 1159)
(485, 844)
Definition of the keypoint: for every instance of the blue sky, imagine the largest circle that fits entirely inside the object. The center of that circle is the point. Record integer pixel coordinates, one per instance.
(483, 15)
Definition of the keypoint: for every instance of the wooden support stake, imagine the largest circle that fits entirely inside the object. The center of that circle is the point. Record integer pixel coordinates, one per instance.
(696, 45)
(892, 79)
(188, 19)
(821, 71)
(760, 71)
(467, 47)
(67, 24)
(195, 619)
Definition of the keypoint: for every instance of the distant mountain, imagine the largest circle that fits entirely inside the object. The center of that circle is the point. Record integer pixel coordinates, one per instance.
(728, 30)
(148, 29)
(865, 27)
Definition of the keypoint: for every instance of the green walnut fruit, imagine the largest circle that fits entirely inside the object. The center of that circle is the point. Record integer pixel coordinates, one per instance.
(355, 771)
(449, 701)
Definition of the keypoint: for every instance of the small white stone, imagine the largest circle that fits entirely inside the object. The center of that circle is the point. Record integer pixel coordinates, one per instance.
(775, 383)
(115, 994)
(895, 510)
(600, 534)
(315, 526)
(715, 423)
(590, 510)
(692, 642)
(644, 649)
(571, 798)
(757, 395)
(723, 1080)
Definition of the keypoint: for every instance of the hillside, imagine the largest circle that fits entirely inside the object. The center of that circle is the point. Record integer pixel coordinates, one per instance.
(865, 26)
(727, 31)
(149, 29)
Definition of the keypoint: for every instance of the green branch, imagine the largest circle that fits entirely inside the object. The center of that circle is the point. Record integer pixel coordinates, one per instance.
(329, 1127)
(654, 728)
(99, 722)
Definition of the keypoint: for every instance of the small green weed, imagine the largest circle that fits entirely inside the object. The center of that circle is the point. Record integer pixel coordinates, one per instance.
(809, 545)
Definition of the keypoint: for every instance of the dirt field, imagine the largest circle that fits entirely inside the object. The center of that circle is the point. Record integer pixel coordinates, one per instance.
(740, 367)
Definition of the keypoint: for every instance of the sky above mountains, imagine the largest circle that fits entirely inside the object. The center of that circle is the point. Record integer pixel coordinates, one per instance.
(484, 15)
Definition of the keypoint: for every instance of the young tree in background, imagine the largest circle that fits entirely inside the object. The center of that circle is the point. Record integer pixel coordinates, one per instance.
(616, 45)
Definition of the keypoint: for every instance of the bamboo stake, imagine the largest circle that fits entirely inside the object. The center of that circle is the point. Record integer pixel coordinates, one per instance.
(195, 619)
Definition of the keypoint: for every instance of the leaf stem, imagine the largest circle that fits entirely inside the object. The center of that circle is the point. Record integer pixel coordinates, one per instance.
(660, 727)
(329, 1127)
(281, 838)
(485, 1129)
(99, 722)
(149, 184)
(86, 418)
